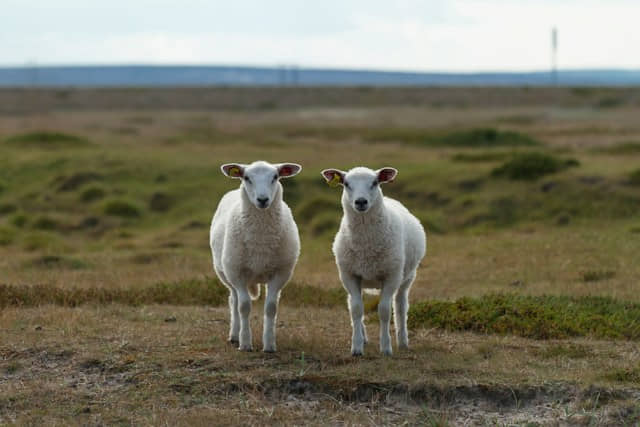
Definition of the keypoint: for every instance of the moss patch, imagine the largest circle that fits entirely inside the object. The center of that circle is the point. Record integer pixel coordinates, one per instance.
(531, 166)
(538, 317)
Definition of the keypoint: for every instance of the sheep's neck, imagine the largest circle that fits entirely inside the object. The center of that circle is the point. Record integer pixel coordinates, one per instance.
(375, 217)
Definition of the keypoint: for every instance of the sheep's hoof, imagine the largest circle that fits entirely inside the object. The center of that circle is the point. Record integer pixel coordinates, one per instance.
(355, 353)
(245, 348)
(234, 341)
(268, 350)
(404, 346)
(386, 352)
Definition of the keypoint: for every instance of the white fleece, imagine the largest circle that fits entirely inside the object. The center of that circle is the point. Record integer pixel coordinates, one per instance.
(251, 246)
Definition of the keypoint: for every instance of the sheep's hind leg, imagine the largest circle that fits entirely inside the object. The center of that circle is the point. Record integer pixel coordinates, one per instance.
(400, 308)
(271, 312)
(234, 324)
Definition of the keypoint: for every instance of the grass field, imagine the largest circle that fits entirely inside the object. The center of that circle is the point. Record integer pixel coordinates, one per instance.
(525, 310)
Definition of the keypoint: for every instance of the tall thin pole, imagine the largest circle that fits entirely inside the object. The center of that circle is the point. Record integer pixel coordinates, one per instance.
(554, 56)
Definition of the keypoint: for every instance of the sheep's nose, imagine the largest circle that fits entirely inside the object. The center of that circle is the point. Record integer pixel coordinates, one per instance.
(263, 201)
(361, 204)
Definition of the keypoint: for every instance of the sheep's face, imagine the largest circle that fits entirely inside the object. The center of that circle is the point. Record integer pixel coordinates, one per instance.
(260, 180)
(361, 185)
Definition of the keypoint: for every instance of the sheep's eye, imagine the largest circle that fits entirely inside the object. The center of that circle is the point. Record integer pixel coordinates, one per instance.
(374, 184)
(247, 180)
(346, 185)
(275, 177)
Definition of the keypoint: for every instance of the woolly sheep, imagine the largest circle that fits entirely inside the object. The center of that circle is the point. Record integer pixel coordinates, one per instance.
(254, 239)
(379, 245)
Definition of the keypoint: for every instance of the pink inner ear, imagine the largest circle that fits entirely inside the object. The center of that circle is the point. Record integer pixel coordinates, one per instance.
(385, 175)
(328, 175)
(285, 170)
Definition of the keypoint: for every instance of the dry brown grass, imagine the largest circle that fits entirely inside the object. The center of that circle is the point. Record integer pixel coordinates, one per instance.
(106, 363)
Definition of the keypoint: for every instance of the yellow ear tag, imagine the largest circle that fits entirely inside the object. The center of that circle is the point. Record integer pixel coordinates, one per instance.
(335, 181)
(234, 171)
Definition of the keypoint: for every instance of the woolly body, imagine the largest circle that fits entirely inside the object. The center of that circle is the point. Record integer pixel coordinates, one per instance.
(379, 245)
(253, 245)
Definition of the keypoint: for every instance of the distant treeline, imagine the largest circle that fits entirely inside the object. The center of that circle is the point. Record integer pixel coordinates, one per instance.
(150, 76)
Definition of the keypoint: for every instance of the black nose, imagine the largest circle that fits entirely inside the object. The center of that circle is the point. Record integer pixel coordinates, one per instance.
(361, 203)
(263, 201)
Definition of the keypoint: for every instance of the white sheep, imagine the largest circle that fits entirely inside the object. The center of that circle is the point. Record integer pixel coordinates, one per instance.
(379, 245)
(254, 240)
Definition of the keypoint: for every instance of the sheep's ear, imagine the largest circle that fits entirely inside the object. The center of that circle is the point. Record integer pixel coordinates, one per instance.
(386, 175)
(233, 170)
(334, 177)
(286, 170)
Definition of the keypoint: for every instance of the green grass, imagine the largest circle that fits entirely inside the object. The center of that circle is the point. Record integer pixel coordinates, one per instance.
(56, 261)
(186, 292)
(480, 157)
(568, 350)
(47, 139)
(538, 317)
(92, 194)
(626, 375)
(624, 148)
(597, 275)
(532, 166)
(634, 177)
(471, 138)
(121, 208)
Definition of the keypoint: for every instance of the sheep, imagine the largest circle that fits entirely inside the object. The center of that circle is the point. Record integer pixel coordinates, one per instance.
(379, 245)
(254, 239)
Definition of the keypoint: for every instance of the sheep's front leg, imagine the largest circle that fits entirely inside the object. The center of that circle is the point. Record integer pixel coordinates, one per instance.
(389, 288)
(356, 308)
(234, 327)
(271, 312)
(244, 309)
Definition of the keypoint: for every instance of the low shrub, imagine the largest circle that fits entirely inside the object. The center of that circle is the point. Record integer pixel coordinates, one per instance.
(531, 166)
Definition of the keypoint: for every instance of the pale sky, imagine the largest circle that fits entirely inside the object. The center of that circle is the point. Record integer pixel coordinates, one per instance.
(411, 35)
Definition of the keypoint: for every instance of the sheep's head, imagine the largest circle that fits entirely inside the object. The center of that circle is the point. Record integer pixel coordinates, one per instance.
(260, 179)
(361, 185)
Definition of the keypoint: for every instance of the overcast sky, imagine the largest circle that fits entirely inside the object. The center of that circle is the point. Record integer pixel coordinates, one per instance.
(429, 35)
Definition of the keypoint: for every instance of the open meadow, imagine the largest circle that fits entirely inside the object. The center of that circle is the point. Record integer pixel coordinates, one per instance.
(526, 308)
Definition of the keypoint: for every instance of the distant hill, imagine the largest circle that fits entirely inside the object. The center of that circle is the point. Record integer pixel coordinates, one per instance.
(152, 76)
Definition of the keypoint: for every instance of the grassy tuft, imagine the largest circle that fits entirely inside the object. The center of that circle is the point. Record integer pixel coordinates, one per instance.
(487, 137)
(531, 166)
(160, 202)
(77, 180)
(7, 235)
(627, 375)
(634, 177)
(480, 138)
(46, 139)
(208, 291)
(19, 220)
(484, 156)
(121, 208)
(92, 194)
(7, 208)
(538, 317)
(56, 261)
(622, 148)
(597, 275)
(45, 223)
